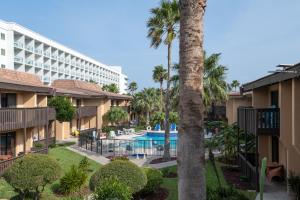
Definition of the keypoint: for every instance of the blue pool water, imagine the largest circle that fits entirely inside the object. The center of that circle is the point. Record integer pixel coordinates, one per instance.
(154, 140)
(156, 136)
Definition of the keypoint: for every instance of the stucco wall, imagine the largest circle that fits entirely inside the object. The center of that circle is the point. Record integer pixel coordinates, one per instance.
(232, 105)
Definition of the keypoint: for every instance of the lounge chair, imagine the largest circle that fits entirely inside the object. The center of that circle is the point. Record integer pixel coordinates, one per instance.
(173, 127)
(112, 134)
(120, 132)
(157, 127)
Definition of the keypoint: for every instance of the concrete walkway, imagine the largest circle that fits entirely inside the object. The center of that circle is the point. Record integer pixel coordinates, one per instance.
(275, 191)
(141, 162)
(90, 154)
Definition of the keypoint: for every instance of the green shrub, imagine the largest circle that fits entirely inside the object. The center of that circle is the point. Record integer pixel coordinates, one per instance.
(38, 145)
(111, 188)
(84, 164)
(119, 158)
(31, 173)
(154, 180)
(125, 171)
(294, 184)
(224, 193)
(73, 180)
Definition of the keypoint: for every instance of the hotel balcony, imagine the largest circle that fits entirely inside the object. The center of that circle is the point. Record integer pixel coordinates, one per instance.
(86, 111)
(46, 79)
(38, 64)
(47, 66)
(29, 62)
(38, 51)
(18, 59)
(54, 57)
(29, 48)
(54, 68)
(61, 70)
(47, 54)
(18, 118)
(259, 121)
(19, 45)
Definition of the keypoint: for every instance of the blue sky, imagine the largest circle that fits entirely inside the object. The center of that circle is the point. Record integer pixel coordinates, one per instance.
(252, 35)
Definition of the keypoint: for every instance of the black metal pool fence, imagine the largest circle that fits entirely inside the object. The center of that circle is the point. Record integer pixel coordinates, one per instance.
(125, 147)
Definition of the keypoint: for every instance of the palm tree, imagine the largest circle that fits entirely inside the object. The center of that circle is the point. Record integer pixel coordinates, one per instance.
(191, 159)
(215, 86)
(132, 87)
(159, 75)
(163, 27)
(145, 102)
(234, 84)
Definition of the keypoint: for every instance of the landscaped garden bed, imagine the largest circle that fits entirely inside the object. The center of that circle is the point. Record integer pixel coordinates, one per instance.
(233, 176)
(161, 160)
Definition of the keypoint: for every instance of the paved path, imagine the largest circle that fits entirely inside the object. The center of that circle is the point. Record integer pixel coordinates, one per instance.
(275, 191)
(90, 154)
(141, 162)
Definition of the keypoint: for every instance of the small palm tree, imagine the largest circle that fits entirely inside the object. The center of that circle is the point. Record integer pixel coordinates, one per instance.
(132, 87)
(159, 75)
(163, 28)
(234, 84)
(215, 86)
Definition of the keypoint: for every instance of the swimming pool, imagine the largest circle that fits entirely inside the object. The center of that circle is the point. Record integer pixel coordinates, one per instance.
(157, 135)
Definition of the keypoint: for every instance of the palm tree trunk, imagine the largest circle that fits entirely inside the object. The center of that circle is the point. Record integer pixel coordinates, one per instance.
(161, 96)
(191, 157)
(167, 155)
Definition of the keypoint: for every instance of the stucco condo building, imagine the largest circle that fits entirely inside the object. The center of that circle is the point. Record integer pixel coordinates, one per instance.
(27, 51)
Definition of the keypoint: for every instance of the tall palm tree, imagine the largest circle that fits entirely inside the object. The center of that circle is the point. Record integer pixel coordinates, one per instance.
(215, 86)
(234, 84)
(163, 27)
(159, 75)
(191, 159)
(132, 87)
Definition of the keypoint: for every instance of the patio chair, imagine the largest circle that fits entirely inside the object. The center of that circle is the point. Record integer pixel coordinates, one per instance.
(112, 134)
(120, 132)
(275, 172)
(157, 127)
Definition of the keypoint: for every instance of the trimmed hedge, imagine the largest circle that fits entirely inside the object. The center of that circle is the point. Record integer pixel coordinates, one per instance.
(32, 173)
(125, 171)
(112, 189)
(154, 180)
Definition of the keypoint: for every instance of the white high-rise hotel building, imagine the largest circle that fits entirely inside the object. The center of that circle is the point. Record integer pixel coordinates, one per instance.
(27, 51)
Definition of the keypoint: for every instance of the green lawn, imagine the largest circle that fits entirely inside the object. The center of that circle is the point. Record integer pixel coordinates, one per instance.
(65, 157)
(211, 180)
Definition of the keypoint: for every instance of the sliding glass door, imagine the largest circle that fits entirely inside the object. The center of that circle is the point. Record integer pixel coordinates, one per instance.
(7, 143)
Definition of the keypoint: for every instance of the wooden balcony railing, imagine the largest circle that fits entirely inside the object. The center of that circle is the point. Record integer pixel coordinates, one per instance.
(259, 120)
(86, 111)
(4, 165)
(16, 118)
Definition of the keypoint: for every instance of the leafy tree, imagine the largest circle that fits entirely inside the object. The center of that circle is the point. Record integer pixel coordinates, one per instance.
(65, 111)
(157, 118)
(111, 88)
(145, 103)
(234, 84)
(191, 152)
(132, 87)
(92, 81)
(163, 27)
(32, 173)
(116, 115)
(159, 75)
(174, 117)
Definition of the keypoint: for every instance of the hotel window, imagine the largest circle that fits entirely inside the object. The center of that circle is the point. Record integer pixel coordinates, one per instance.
(3, 52)
(2, 36)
